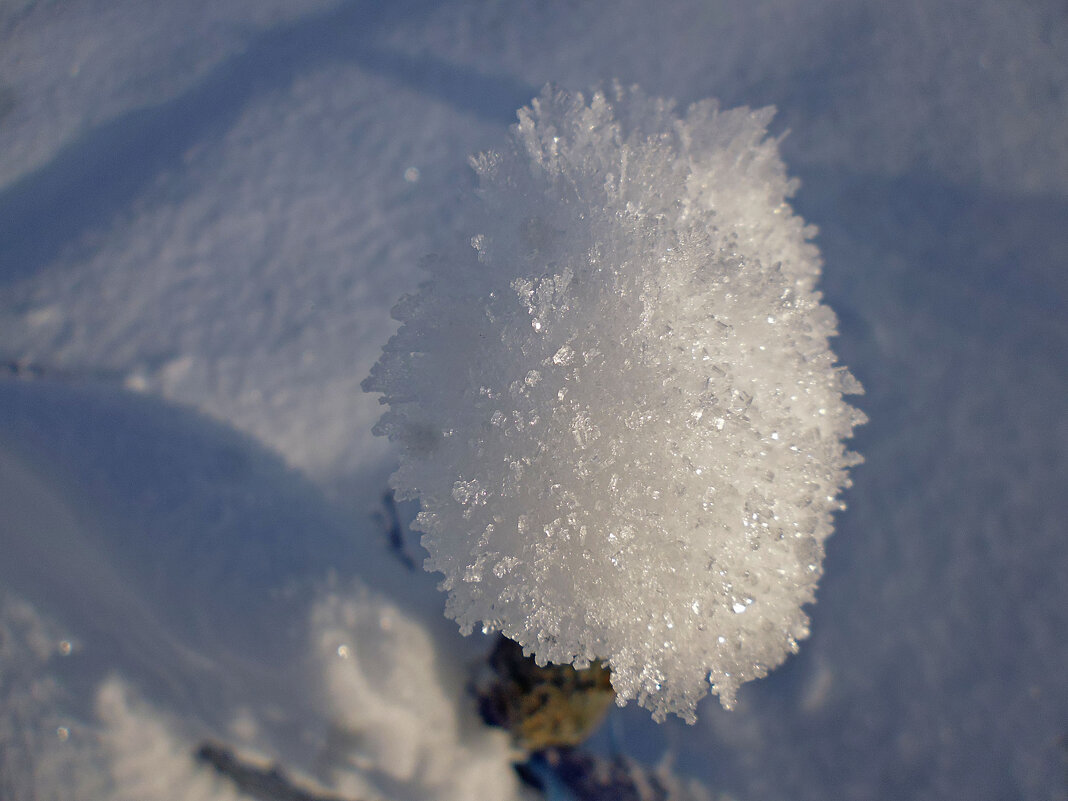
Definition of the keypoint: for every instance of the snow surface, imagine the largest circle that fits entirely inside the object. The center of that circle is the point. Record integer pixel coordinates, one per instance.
(617, 406)
(189, 587)
(202, 231)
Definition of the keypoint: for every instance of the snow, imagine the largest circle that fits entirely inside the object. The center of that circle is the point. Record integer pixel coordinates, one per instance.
(394, 728)
(617, 407)
(183, 626)
(72, 70)
(384, 686)
(220, 189)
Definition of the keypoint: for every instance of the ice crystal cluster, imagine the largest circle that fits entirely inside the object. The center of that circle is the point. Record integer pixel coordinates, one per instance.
(618, 407)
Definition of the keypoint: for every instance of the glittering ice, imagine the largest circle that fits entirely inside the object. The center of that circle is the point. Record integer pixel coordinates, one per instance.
(618, 406)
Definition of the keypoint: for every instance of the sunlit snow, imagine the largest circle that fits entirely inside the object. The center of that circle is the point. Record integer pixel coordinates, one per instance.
(588, 400)
(207, 211)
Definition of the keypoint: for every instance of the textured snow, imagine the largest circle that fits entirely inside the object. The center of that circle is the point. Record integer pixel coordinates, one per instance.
(298, 655)
(396, 724)
(72, 69)
(393, 728)
(618, 407)
(213, 204)
(971, 92)
(264, 342)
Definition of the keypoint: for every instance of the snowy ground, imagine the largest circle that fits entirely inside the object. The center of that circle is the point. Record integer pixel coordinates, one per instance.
(206, 212)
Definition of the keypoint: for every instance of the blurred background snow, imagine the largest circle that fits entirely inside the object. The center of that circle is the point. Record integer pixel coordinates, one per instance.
(207, 210)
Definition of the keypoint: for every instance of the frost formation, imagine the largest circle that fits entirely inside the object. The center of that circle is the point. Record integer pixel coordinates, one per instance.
(618, 408)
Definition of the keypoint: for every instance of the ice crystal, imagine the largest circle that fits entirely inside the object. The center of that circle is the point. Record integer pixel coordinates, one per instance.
(618, 407)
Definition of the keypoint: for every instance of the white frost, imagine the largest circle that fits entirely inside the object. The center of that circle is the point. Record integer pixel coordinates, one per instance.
(619, 409)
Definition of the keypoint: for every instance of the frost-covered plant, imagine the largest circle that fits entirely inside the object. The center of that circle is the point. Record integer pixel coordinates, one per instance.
(618, 408)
